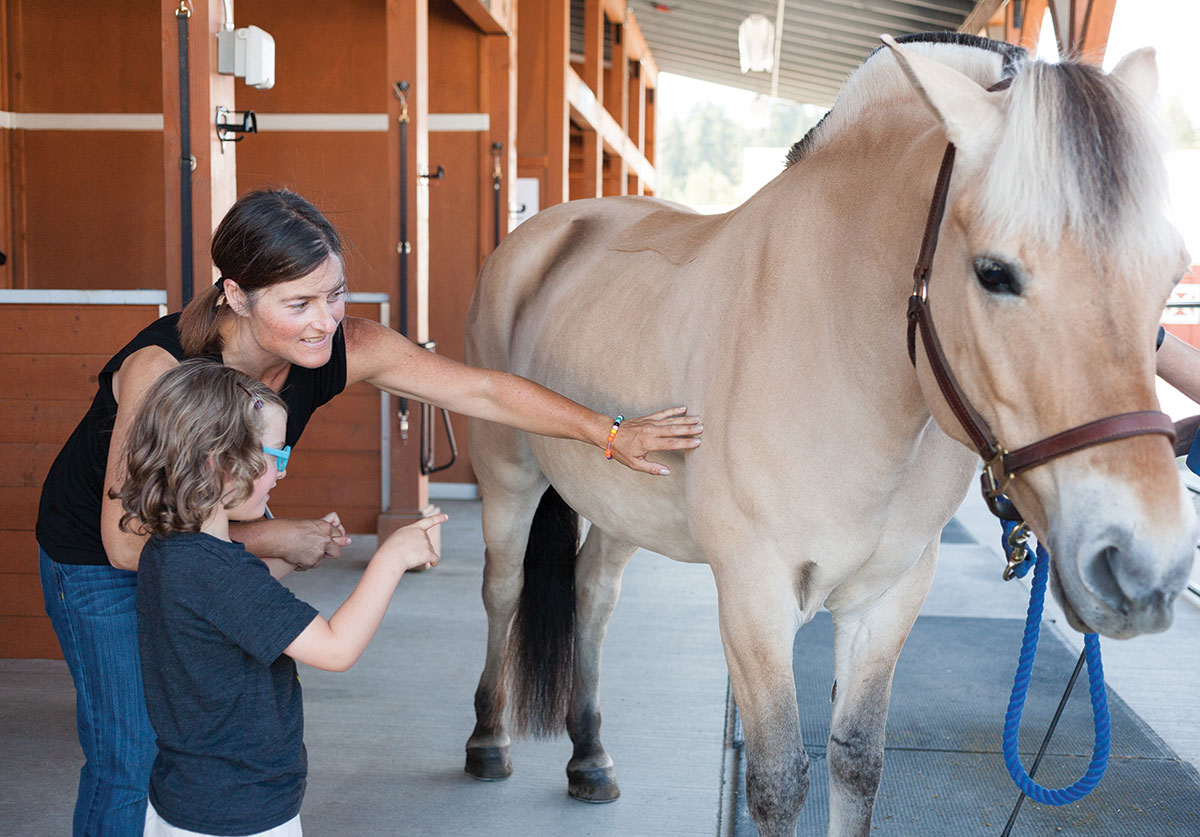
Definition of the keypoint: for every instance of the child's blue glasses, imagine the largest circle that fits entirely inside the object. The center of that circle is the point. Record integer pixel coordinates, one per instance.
(281, 456)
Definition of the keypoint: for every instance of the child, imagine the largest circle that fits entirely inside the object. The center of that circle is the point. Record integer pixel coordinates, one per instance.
(218, 634)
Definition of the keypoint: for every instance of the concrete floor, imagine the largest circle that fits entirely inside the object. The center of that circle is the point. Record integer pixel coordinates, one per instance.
(386, 739)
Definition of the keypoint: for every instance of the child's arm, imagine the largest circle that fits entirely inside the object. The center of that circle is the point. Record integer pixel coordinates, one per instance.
(337, 644)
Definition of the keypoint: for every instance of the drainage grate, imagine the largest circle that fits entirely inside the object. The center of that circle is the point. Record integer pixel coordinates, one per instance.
(944, 775)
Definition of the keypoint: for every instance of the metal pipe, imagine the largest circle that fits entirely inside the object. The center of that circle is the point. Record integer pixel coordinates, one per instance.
(497, 172)
(778, 50)
(400, 90)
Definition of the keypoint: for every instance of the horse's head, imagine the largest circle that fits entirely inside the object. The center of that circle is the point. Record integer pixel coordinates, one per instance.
(1054, 263)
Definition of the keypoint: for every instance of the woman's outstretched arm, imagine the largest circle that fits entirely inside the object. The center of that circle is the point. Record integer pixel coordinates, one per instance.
(385, 359)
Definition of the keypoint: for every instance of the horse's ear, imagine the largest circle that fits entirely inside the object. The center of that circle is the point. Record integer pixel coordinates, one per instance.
(1139, 71)
(968, 113)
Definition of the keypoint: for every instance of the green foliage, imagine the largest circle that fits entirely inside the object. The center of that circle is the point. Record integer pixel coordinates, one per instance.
(700, 154)
(1181, 133)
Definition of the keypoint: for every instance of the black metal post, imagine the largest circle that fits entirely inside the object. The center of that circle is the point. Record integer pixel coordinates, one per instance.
(182, 14)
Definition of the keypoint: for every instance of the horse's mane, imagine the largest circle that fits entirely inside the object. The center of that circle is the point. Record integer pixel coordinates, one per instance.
(1077, 153)
(985, 60)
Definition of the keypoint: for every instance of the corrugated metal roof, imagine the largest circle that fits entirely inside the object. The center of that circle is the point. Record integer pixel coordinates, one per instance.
(823, 40)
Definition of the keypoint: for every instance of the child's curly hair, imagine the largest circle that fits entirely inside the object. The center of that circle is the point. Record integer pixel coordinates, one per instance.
(197, 438)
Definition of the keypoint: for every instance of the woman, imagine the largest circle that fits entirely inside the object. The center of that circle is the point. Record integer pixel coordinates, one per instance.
(277, 314)
(1178, 363)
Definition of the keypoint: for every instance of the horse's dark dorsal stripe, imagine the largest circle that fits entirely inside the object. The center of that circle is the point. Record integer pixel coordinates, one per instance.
(1011, 54)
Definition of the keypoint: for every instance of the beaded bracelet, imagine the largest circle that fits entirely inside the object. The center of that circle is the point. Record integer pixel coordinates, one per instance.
(612, 434)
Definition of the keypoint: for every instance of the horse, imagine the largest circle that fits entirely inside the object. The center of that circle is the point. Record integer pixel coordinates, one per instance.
(832, 458)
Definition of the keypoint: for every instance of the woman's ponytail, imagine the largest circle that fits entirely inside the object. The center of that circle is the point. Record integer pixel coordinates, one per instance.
(199, 324)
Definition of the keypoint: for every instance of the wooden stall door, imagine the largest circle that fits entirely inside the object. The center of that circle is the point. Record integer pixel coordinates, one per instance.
(50, 356)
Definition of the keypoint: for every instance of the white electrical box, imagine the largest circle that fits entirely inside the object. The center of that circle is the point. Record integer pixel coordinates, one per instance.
(248, 53)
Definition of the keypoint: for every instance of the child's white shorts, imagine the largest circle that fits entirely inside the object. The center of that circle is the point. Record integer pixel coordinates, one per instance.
(156, 826)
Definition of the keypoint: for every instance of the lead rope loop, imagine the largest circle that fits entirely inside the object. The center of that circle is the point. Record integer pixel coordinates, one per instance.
(1016, 704)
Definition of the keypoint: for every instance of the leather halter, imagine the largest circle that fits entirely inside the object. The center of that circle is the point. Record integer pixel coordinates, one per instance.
(1000, 464)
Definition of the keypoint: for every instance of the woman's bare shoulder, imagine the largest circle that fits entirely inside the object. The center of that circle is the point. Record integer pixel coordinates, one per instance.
(140, 370)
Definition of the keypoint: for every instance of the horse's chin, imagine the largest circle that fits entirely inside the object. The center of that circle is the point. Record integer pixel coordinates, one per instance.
(1104, 620)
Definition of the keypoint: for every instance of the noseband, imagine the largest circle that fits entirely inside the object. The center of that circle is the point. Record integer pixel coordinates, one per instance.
(1000, 464)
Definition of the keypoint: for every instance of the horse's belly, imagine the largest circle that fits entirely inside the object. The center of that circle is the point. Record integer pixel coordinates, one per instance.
(639, 508)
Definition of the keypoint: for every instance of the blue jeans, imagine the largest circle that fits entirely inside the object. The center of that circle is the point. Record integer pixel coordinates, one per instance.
(94, 611)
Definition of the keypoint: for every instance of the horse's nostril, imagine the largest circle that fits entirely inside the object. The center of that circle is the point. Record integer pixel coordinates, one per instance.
(1101, 578)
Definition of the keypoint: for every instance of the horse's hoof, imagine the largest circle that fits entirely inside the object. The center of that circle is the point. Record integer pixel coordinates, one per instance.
(593, 784)
(488, 764)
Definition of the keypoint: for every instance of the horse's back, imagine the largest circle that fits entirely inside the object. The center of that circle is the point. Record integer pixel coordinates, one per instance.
(572, 249)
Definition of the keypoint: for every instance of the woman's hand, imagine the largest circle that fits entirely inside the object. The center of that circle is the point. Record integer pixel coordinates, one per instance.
(318, 540)
(667, 429)
(303, 543)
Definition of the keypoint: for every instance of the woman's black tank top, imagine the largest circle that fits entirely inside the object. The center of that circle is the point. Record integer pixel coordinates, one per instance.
(68, 524)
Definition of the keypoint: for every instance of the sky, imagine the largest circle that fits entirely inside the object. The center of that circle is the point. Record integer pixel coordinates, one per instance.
(1170, 26)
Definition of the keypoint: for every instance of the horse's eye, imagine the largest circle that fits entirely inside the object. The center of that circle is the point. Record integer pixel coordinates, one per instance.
(996, 277)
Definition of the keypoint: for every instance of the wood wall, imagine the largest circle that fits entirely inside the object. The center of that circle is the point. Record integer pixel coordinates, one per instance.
(86, 207)
(82, 209)
(468, 74)
(337, 465)
(50, 356)
(87, 204)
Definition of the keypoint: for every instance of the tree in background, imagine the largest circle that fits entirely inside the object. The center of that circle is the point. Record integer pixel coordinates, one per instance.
(1181, 133)
(700, 154)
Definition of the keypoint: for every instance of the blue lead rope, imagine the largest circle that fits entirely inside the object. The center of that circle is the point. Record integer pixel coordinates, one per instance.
(1016, 704)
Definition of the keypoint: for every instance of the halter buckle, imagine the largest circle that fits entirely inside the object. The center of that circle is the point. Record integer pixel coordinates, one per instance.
(921, 288)
(993, 488)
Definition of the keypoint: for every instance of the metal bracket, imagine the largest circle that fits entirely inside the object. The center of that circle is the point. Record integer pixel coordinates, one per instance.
(428, 465)
(228, 131)
(437, 175)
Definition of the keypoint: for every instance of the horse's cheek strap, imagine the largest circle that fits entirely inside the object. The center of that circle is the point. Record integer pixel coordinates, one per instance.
(976, 428)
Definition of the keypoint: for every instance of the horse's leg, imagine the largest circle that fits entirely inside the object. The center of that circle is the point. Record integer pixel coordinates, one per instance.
(759, 617)
(597, 585)
(507, 513)
(867, 642)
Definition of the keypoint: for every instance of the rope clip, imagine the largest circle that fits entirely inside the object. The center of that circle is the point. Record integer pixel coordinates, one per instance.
(1016, 548)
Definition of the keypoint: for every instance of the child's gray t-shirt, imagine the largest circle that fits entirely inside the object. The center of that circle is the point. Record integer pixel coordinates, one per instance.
(224, 701)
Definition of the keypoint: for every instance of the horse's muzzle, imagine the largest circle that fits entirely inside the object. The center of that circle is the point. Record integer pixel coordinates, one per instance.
(1120, 586)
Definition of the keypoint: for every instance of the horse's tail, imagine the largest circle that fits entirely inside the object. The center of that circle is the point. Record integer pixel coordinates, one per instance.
(541, 646)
